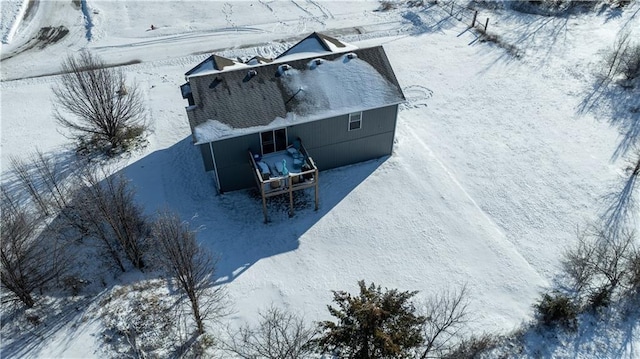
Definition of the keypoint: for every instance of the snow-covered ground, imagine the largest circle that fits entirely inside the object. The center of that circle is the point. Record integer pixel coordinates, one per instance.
(495, 162)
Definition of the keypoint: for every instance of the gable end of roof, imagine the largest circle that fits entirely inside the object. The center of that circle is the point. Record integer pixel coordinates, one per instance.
(217, 63)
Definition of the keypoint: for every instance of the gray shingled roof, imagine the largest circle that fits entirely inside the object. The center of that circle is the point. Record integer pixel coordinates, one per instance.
(241, 99)
(213, 62)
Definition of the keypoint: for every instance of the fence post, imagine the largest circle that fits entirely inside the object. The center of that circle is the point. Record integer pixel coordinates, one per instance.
(486, 24)
(473, 22)
(452, 3)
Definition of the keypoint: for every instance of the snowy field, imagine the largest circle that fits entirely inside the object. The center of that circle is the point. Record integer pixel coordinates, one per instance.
(497, 159)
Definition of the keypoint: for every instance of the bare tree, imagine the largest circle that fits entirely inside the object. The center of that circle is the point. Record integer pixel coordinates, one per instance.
(446, 315)
(101, 105)
(633, 278)
(52, 182)
(279, 335)
(27, 261)
(191, 266)
(614, 59)
(472, 347)
(624, 58)
(602, 264)
(621, 211)
(27, 180)
(105, 205)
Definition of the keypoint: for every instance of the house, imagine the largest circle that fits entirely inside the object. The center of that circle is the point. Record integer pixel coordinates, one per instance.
(320, 104)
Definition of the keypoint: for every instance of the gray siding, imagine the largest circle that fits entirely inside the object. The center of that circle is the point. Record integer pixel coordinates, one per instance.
(346, 153)
(206, 157)
(328, 141)
(232, 159)
(331, 145)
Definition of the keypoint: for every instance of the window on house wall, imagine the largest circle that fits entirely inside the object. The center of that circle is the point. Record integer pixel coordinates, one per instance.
(273, 141)
(355, 121)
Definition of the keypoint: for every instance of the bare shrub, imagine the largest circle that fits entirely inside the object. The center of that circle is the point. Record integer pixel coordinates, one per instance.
(191, 266)
(139, 321)
(446, 315)
(621, 211)
(601, 266)
(632, 279)
(630, 62)
(51, 191)
(472, 347)
(106, 114)
(279, 335)
(553, 7)
(578, 266)
(56, 190)
(107, 208)
(623, 58)
(386, 5)
(511, 49)
(29, 183)
(29, 259)
(373, 324)
(557, 309)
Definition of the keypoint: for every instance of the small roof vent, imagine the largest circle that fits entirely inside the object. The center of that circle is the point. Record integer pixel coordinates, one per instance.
(282, 69)
(251, 73)
(352, 55)
(315, 63)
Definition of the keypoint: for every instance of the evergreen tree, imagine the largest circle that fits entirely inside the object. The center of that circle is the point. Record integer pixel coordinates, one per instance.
(374, 324)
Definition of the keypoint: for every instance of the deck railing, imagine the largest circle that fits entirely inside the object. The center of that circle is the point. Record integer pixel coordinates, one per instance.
(278, 185)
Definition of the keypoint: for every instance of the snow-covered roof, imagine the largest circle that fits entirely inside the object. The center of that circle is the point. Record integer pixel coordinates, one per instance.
(237, 102)
(215, 63)
(314, 45)
(258, 60)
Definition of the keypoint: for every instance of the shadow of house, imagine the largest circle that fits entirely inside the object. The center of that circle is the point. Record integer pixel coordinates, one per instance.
(229, 224)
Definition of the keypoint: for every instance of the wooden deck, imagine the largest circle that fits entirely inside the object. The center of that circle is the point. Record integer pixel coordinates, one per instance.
(277, 183)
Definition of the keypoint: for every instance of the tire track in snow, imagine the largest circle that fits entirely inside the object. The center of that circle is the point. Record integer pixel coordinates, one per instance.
(327, 14)
(466, 194)
(416, 95)
(301, 8)
(312, 16)
(275, 14)
(180, 37)
(266, 5)
(349, 34)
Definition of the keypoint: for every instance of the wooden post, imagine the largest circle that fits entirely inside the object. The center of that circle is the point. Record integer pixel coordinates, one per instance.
(316, 189)
(264, 203)
(473, 22)
(290, 195)
(486, 24)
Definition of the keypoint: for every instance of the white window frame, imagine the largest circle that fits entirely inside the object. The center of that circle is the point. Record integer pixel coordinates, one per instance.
(273, 136)
(355, 117)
